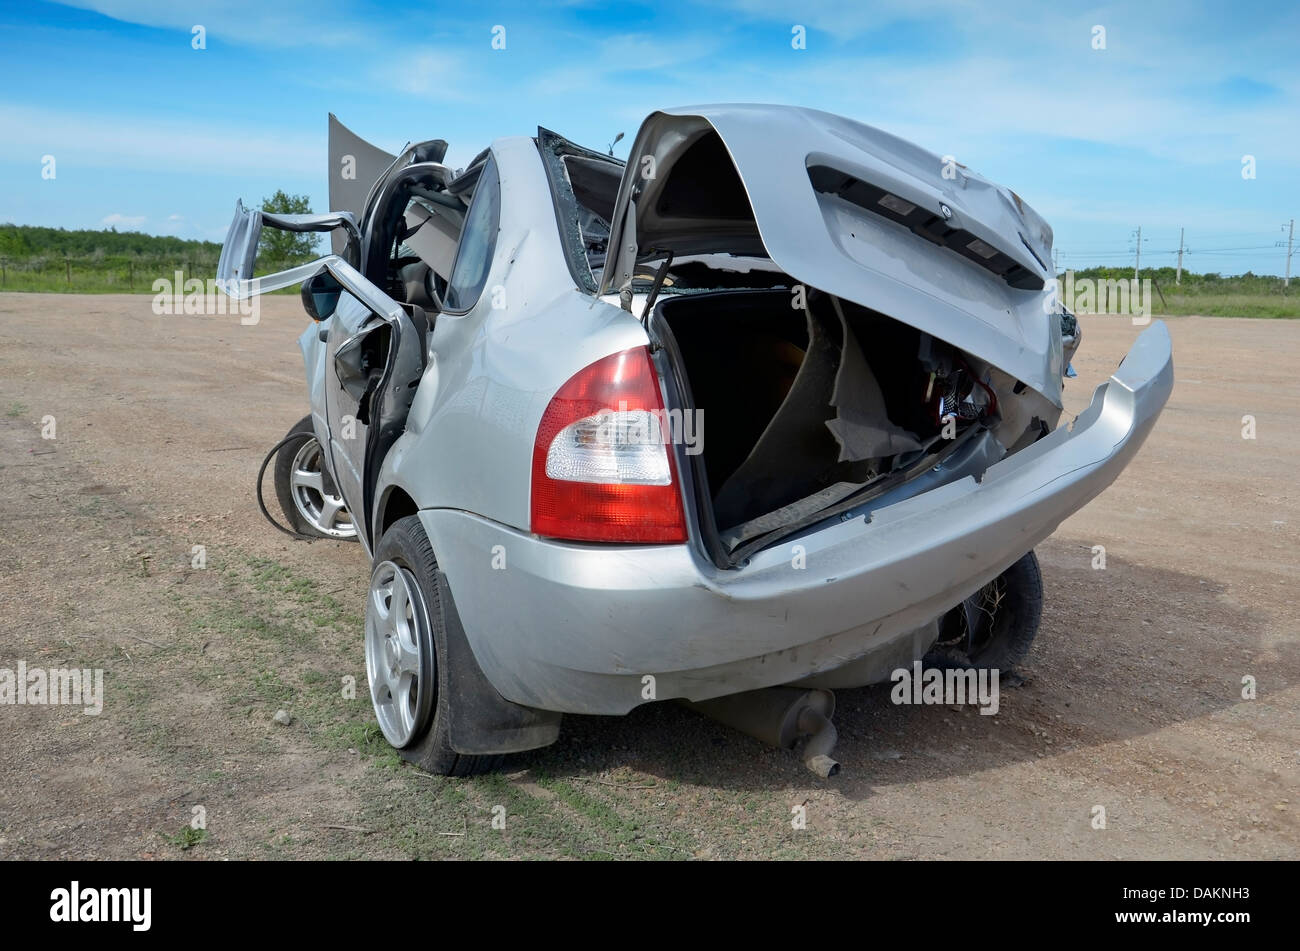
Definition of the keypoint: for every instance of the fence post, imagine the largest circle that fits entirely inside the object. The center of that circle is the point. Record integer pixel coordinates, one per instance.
(130, 274)
(68, 268)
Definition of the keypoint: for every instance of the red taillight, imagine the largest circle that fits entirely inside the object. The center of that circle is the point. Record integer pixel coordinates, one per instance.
(602, 469)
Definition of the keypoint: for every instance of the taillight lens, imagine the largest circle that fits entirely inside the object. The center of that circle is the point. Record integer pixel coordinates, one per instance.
(602, 469)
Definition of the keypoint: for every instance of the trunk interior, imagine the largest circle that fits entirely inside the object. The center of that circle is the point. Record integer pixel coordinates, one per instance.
(807, 408)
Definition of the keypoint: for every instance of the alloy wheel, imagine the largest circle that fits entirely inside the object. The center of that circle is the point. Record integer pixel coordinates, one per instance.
(315, 496)
(399, 654)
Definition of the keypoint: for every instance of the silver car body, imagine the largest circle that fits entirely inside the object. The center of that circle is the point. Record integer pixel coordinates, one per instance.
(583, 627)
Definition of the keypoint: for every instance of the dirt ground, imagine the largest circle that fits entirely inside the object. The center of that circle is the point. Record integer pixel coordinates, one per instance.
(1133, 701)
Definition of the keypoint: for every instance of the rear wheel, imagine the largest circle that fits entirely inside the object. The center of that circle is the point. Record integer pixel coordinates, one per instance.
(995, 627)
(308, 497)
(406, 653)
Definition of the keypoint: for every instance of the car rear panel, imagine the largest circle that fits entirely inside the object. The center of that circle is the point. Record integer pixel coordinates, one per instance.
(604, 617)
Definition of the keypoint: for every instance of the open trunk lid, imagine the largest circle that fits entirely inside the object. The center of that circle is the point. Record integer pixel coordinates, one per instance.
(850, 210)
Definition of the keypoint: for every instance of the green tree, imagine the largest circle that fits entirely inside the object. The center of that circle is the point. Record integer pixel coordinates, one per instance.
(286, 246)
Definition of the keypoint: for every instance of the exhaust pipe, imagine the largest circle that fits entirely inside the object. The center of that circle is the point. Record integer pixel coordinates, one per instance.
(778, 716)
(821, 740)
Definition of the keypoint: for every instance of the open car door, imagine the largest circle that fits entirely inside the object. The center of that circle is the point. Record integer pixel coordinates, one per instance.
(374, 347)
(373, 362)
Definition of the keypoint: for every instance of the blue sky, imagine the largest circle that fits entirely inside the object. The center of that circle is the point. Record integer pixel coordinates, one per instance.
(150, 134)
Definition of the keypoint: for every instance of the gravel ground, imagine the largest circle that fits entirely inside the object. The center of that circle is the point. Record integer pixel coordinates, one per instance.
(1133, 698)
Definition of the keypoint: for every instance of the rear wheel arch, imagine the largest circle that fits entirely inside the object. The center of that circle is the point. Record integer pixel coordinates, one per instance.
(468, 725)
(396, 504)
(1005, 642)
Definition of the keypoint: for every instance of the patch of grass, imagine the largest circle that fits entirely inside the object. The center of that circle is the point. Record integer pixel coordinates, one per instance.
(238, 622)
(614, 832)
(1211, 295)
(282, 844)
(137, 692)
(187, 838)
(425, 818)
(34, 258)
(364, 736)
(15, 410)
(91, 508)
(1232, 305)
(288, 645)
(321, 608)
(268, 686)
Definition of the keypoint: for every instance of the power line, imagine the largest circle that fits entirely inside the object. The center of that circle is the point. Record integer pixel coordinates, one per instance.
(1223, 245)
(1257, 247)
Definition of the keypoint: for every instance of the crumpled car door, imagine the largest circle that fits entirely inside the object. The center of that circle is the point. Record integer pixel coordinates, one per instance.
(375, 359)
(374, 348)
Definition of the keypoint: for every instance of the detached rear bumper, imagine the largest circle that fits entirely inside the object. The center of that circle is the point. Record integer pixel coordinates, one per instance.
(577, 628)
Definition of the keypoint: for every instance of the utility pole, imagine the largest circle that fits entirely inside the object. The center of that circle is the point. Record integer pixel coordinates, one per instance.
(1178, 278)
(1290, 236)
(1137, 262)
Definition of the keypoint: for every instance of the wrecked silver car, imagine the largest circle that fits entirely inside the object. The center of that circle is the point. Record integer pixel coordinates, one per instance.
(769, 409)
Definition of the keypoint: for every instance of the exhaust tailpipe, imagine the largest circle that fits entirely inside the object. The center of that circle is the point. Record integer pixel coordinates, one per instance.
(778, 716)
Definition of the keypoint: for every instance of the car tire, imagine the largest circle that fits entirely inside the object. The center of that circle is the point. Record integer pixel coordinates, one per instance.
(1004, 642)
(415, 722)
(304, 514)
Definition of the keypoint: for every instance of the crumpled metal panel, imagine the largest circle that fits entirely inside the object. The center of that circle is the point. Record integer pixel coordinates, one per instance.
(354, 166)
(831, 244)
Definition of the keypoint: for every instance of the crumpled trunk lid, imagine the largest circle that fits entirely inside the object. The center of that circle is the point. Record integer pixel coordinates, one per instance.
(852, 211)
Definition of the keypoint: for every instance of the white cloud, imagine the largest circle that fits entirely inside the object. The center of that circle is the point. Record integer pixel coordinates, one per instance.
(602, 62)
(122, 221)
(425, 72)
(95, 140)
(1024, 69)
(175, 225)
(979, 106)
(848, 20)
(286, 23)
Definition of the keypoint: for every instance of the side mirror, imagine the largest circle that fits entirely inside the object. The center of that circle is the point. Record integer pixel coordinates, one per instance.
(320, 295)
